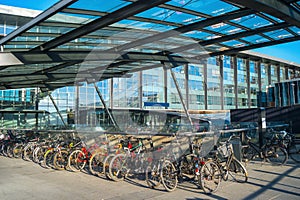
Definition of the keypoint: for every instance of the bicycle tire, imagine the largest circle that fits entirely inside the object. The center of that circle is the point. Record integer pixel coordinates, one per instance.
(152, 176)
(106, 163)
(294, 153)
(60, 159)
(9, 151)
(117, 167)
(276, 155)
(96, 163)
(28, 153)
(76, 160)
(248, 153)
(48, 159)
(210, 177)
(238, 171)
(168, 175)
(18, 150)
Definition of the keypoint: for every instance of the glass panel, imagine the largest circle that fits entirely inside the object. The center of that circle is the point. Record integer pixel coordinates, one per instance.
(108, 6)
(295, 29)
(223, 28)
(233, 43)
(211, 7)
(169, 16)
(279, 34)
(255, 39)
(242, 83)
(143, 25)
(213, 86)
(228, 82)
(253, 83)
(252, 21)
(197, 34)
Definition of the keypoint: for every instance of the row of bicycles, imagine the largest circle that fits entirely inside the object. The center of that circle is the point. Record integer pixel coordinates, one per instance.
(277, 148)
(158, 160)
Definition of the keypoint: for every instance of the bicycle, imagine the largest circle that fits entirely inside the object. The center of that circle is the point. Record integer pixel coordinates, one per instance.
(272, 151)
(291, 143)
(132, 160)
(227, 164)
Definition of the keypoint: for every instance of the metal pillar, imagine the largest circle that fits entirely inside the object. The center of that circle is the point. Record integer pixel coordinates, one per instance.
(165, 86)
(221, 63)
(205, 85)
(105, 107)
(181, 97)
(57, 110)
(234, 63)
(141, 90)
(186, 85)
(258, 65)
(262, 125)
(248, 82)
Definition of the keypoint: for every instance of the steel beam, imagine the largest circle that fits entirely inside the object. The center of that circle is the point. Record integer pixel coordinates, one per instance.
(184, 29)
(106, 108)
(40, 18)
(57, 110)
(255, 46)
(274, 8)
(181, 96)
(102, 22)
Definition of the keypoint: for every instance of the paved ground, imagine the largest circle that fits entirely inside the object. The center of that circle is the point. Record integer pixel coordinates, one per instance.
(26, 180)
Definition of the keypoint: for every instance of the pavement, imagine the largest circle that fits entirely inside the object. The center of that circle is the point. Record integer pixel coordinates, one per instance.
(25, 180)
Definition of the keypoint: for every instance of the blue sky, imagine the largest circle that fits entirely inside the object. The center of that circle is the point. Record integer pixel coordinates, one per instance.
(288, 51)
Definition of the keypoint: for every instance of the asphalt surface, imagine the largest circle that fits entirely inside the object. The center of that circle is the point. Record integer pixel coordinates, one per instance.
(26, 180)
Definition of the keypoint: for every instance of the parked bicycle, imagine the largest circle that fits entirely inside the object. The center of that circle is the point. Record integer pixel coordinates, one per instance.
(222, 165)
(272, 151)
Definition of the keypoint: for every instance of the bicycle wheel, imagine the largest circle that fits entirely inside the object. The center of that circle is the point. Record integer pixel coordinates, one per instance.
(276, 155)
(17, 151)
(106, 163)
(168, 175)
(248, 153)
(152, 176)
(294, 152)
(238, 171)
(96, 163)
(48, 159)
(210, 177)
(9, 151)
(60, 159)
(28, 153)
(76, 160)
(117, 167)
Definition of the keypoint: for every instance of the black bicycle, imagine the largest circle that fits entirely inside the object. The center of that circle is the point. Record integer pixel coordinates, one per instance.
(271, 151)
(291, 143)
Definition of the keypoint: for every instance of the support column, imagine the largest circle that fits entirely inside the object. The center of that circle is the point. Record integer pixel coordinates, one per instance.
(286, 72)
(140, 89)
(181, 96)
(258, 63)
(278, 73)
(262, 125)
(234, 63)
(77, 104)
(186, 85)
(248, 82)
(57, 110)
(111, 93)
(269, 74)
(205, 84)
(221, 63)
(165, 86)
(105, 107)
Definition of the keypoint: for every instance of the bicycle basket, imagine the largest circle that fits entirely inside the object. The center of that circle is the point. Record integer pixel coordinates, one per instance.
(224, 150)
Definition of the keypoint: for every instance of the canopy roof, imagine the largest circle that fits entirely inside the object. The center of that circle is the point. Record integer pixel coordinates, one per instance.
(81, 40)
